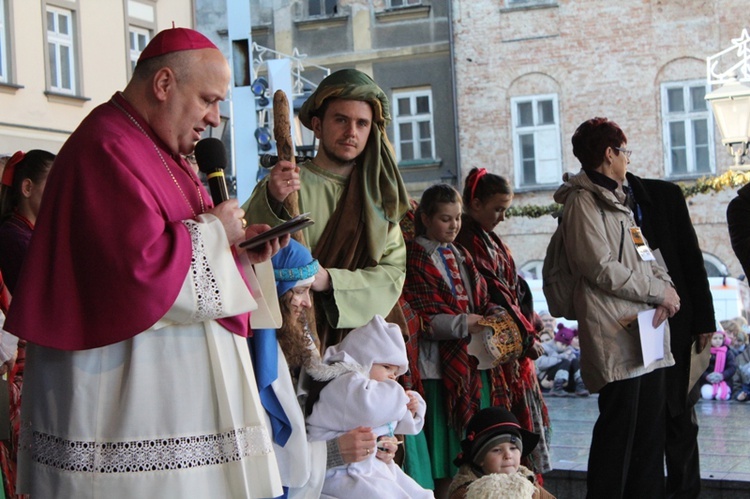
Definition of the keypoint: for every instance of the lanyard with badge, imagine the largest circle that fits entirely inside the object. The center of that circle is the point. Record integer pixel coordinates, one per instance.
(640, 245)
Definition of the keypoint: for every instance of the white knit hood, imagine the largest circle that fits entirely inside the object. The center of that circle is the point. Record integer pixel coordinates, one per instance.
(377, 342)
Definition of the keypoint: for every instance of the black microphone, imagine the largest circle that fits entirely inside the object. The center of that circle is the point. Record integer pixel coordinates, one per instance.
(212, 159)
(270, 160)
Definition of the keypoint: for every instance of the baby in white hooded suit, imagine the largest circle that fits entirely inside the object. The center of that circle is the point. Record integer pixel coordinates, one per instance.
(363, 391)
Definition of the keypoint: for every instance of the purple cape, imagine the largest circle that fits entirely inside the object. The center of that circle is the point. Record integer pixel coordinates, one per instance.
(109, 252)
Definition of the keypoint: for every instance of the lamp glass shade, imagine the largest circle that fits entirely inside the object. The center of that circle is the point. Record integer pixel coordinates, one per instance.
(731, 107)
(259, 86)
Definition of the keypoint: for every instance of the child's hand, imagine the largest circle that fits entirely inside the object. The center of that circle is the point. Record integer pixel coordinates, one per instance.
(535, 351)
(471, 322)
(496, 312)
(387, 447)
(715, 377)
(413, 404)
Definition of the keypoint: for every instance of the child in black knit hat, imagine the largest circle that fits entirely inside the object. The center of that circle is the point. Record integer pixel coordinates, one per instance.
(490, 459)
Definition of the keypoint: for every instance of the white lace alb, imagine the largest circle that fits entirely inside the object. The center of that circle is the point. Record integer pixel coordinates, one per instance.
(134, 456)
(206, 289)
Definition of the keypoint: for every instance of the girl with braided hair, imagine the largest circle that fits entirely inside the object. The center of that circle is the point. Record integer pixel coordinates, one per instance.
(23, 181)
(450, 297)
(487, 197)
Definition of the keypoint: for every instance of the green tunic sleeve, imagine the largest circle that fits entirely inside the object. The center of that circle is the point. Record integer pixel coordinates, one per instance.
(260, 210)
(358, 294)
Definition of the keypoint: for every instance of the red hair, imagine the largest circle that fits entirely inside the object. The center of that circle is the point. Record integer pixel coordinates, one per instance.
(593, 137)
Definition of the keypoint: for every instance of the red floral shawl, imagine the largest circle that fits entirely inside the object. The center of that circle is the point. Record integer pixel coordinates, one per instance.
(412, 379)
(494, 261)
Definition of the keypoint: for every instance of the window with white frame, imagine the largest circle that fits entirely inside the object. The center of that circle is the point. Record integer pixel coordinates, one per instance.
(688, 128)
(138, 38)
(140, 23)
(4, 42)
(403, 3)
(321, 8)
(413, 125)
(528, 3)
(61, 50)
(536, 140)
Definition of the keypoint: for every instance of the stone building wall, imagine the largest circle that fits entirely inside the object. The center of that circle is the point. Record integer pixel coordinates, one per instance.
(604, 58)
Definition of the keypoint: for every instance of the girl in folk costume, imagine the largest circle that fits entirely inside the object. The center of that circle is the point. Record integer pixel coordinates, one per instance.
(444, 288)
(716, 381)
(23, 181)
(416, 454)
(486, 198)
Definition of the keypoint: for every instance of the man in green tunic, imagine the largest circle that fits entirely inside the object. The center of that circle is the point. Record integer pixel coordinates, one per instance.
(354, 193)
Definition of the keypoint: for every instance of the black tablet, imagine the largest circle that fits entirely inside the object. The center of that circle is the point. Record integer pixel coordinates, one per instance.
(293, 225)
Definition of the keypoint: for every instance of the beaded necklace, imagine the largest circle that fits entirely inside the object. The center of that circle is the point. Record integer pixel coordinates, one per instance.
(164, 162)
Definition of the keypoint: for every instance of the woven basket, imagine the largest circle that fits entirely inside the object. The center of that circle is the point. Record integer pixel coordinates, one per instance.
(505, 343)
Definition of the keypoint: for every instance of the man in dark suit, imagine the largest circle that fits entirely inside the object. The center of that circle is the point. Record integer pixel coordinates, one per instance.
(660, 210)
(738, 220)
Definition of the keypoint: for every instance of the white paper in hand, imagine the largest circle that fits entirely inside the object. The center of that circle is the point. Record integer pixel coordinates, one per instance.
(652, 339)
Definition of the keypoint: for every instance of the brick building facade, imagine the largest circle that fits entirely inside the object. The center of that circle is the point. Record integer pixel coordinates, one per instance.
(528, 72)
(59, 59)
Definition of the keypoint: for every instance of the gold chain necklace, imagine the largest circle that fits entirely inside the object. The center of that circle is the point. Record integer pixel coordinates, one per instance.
(164, 162)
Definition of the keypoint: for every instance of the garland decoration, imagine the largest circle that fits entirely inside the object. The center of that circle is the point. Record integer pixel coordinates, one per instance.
(717, 183)
(533, 211)
(704, 185)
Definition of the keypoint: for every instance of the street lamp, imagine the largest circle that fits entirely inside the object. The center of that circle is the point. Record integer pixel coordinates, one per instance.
(731, 106)
(731, 101)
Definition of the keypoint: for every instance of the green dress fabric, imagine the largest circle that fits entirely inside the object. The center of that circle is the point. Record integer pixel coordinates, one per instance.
(444, 442)
(417, 462)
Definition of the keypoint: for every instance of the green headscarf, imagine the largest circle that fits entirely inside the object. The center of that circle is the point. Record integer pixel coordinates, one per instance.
(385, 197)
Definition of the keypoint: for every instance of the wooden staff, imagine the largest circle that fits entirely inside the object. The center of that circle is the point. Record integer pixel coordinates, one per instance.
(282, 132)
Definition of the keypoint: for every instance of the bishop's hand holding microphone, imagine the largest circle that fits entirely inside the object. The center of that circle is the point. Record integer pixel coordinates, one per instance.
(212, 161)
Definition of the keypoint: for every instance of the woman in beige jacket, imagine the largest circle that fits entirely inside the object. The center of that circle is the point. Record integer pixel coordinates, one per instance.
(616, 278)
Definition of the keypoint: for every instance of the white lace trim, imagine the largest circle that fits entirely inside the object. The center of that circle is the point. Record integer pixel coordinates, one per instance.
(134, 456)
(210, 304)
